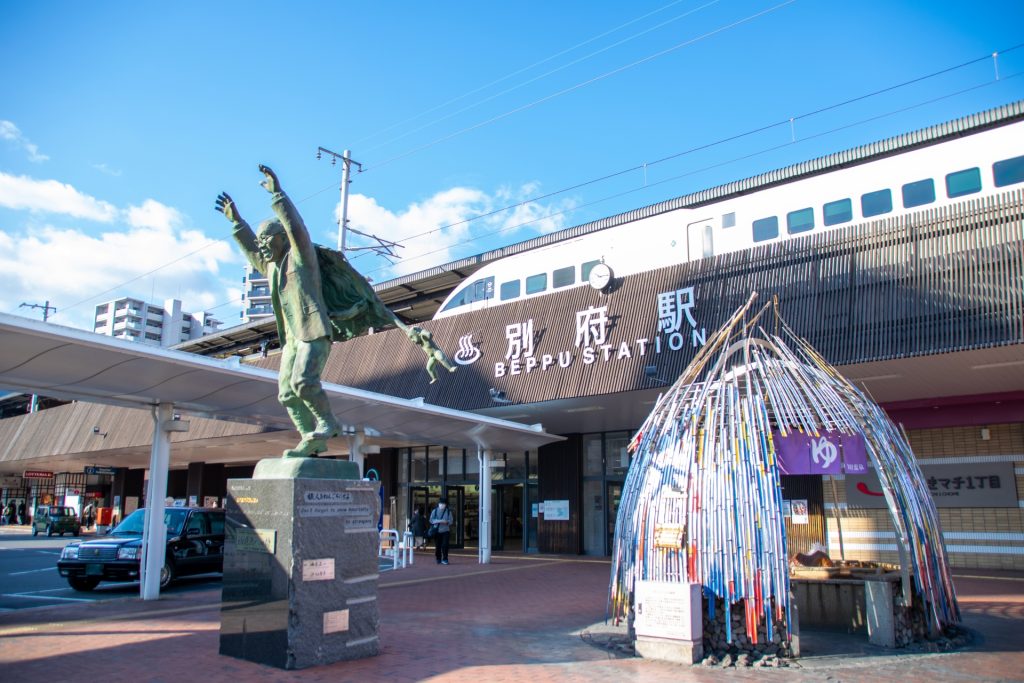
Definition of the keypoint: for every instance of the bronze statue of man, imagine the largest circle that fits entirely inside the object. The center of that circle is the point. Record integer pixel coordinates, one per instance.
(318, 297)
(282, 250)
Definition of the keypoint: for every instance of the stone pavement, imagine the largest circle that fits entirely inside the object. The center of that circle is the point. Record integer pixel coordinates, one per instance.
(521, 618)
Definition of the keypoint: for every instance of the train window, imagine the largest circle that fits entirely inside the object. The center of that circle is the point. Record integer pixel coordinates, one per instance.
(509, 290)
(839, 211)
(800, 221)
(536, 283)
(729, 220)
(875, 203)
(458, 300)
(1008, 171)
(483, 289)
(918, 193)
(478, 291)
(563, 277)
(586, 268)
(967, 181)
(766, 228)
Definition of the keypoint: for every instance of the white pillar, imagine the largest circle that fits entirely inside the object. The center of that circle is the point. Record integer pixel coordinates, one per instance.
(355, 451)
(484, 458)
(154, 535)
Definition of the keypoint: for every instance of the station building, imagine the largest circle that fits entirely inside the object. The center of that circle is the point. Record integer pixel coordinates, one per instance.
(923, 309)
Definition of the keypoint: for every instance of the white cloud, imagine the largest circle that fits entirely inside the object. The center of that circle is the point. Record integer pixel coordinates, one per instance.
(104, 168)
(10, 132)
(77, 270)
(153, 214)
(52, 196)
(439, 229)
(146, 252)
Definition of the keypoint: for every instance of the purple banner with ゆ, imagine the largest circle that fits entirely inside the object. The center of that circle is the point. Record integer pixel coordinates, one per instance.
(828, 453)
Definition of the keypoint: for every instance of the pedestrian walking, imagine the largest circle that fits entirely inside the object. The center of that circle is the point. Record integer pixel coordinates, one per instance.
(441, 520)
(418, 528)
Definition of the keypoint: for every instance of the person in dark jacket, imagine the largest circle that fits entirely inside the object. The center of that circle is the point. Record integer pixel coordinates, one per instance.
(418, 528)
(441, 517)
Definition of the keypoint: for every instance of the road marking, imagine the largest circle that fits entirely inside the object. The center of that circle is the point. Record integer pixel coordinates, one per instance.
(33, 571)
(29, 596)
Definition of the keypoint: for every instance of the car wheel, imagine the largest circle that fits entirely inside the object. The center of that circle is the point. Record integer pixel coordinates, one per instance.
(49, 530)
(83, 583)
(76, 532)
(166, 575)
(35, 531)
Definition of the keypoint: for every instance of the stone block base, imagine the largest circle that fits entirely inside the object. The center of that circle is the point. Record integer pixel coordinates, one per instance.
(679, 651)
(300, 571)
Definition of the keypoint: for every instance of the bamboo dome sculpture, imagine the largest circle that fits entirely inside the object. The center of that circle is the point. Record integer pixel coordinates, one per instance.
(705, 470)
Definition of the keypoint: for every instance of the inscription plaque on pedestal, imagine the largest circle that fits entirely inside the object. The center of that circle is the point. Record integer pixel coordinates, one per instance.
(300, 571)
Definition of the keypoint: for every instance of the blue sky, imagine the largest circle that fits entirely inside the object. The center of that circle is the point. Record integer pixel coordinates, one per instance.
(121, 121)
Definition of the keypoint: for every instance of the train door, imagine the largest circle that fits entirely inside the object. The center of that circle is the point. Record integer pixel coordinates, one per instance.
(700, 239)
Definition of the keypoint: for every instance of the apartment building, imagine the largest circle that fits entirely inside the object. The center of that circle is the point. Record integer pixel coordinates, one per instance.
(154, 324)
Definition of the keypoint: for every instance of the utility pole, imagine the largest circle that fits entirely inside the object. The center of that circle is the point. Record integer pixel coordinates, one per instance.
(346, 171)
(46, 309)
(383, 247)
(33, 406)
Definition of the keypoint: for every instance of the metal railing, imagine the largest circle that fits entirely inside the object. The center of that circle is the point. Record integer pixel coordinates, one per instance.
(398, 548)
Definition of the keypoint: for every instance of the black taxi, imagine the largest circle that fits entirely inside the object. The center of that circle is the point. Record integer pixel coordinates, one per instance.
(195, 545)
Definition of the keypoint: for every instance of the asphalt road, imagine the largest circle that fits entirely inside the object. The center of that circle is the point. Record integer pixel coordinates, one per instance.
(29, 578)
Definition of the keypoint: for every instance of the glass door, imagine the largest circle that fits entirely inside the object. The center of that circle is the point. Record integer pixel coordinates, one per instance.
(507, 518)
(531, 504)
(457, 504)
(470, 516)
(424, 499)
(614, 495)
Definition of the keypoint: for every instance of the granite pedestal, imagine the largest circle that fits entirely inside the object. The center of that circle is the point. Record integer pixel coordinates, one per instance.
(300, 570)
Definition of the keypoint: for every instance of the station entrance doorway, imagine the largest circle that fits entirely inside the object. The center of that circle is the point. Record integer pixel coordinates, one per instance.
(513, 522)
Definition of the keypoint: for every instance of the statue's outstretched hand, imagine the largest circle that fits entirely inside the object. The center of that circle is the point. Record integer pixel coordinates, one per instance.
(226, 205)
(270, 182)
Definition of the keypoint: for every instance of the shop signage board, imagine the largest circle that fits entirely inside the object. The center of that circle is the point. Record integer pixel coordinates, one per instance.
(967, 485)
(556, 510)
(96, 469)
(10, 482)
(37, 474)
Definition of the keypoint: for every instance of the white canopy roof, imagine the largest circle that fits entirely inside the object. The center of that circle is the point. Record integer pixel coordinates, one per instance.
(67, 363)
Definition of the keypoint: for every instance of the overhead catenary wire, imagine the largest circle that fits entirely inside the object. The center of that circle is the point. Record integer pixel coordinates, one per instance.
(738, 136)
(583, 84)
(547, 73)
(1002, 80)
(691, 172)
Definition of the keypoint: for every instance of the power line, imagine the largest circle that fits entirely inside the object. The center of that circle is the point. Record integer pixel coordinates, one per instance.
(551, 72)
(721, 141)
(608, 176)
(712, 166)
(516, 72)
(585, 83)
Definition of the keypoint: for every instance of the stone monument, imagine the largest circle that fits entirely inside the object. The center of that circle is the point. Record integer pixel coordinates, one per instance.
(300, 565)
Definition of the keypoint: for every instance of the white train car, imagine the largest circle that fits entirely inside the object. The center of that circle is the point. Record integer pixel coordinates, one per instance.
(972, 157)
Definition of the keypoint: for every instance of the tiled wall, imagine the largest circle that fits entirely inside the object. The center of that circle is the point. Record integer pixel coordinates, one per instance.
(978, 538)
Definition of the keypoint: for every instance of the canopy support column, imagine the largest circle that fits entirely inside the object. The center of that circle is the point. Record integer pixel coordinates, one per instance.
(483, 457)
(154, 534)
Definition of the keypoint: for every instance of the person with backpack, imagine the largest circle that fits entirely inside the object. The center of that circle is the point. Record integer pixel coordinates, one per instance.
(441, 522)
